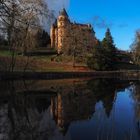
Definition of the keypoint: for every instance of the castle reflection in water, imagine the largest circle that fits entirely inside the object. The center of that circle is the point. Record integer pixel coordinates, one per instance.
(76, 109)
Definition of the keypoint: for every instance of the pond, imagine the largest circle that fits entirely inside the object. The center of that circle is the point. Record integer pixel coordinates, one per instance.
(72, 109)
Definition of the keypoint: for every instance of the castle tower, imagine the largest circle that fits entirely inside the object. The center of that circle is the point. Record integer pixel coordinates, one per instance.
(65, 35)
(62, 24)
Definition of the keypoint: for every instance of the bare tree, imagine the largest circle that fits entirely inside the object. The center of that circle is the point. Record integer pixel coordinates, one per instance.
(21, 19)
(135, 48)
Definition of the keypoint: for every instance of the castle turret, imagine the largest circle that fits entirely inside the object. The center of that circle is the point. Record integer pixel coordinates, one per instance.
(63, 19)
(62, 23)
(66, 35)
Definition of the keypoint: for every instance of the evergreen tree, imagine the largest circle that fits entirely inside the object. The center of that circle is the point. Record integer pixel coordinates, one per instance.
(43, 38)
(104, 54)
(98, 59)
(109, 50)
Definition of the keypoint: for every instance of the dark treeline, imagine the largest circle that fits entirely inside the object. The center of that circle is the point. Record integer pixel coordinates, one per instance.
(135, 48)
(104, 54)
(43, 38)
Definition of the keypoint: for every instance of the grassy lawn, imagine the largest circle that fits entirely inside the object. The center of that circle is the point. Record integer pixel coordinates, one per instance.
(5, 53)
(47, 58)
(51, 63)
(37, 63)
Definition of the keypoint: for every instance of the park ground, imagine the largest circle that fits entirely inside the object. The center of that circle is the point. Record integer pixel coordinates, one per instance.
(40, 63)
(44, 61)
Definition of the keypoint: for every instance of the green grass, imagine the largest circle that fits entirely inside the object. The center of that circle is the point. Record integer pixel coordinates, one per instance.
(44, 58)
(5, 53)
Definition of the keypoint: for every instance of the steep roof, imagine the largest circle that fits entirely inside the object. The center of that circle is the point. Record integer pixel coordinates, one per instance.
(63, 12)
(55, 23)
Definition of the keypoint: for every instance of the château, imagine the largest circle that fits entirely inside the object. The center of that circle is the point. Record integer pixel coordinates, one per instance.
(65, 34)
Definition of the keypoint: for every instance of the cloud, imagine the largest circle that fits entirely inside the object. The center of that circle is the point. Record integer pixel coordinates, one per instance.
(53, 9)
(101, 23)
(57, 5)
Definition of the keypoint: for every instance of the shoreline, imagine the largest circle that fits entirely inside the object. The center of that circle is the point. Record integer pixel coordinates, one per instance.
(130, 75)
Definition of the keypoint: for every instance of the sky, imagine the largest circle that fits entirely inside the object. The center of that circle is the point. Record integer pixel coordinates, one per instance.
(121, 16)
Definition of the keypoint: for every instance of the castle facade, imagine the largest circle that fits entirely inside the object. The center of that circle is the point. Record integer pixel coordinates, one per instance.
(66, 35)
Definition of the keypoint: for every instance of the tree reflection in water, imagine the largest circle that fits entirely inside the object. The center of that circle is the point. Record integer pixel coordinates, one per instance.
(70, 109)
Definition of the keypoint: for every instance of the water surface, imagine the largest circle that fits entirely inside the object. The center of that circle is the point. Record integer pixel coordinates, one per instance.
(74, 109)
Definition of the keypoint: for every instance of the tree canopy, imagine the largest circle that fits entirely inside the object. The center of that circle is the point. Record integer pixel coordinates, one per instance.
(21, 20)
(104, 54)
(135, 48)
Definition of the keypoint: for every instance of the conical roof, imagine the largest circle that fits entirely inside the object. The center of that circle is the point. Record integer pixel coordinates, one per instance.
(63, 12)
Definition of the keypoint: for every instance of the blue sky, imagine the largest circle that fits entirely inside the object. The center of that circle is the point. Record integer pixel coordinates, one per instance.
(121, 16)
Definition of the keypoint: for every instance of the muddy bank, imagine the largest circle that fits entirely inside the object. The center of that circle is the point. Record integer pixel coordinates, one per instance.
(132, 75)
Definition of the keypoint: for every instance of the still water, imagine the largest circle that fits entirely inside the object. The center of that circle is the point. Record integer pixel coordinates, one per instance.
(76, 109)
